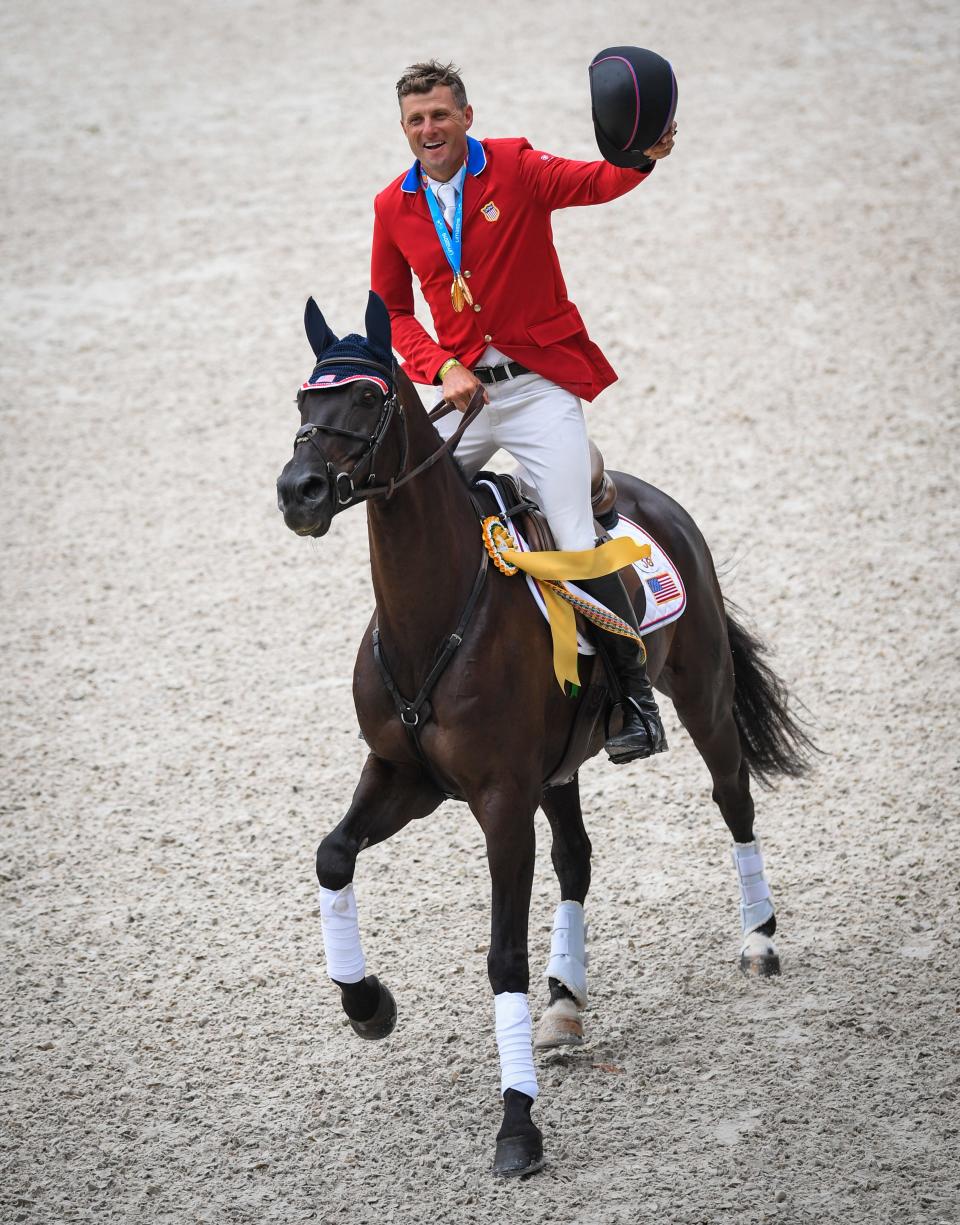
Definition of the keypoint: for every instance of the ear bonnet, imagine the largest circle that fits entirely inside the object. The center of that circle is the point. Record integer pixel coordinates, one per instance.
(349, 359)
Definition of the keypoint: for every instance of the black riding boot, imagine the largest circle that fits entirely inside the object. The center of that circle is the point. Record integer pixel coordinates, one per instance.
(642, 733)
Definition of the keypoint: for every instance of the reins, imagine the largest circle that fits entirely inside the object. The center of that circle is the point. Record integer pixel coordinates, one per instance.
(354, 494)
(413, 714)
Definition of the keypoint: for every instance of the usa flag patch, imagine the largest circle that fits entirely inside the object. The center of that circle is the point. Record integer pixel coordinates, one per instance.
(662, 588)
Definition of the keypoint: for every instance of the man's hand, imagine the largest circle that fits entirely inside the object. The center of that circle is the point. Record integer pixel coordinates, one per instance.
(663, 146)
(458, 386)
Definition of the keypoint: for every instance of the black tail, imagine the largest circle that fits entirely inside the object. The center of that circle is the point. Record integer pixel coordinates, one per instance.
(773, 742)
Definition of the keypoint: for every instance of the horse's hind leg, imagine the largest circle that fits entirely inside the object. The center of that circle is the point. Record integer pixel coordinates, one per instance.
(713, 729)
(386, 799)
(561, 1023)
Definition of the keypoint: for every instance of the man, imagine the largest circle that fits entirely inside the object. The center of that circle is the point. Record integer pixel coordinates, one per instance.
(472, 220)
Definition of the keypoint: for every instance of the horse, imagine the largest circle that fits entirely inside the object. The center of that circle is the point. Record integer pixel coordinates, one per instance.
(474, 649)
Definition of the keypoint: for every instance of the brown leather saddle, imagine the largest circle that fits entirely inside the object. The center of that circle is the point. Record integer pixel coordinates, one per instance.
(596, 695)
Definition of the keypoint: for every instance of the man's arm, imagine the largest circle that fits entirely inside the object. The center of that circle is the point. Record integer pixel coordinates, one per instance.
(391, 278)
(559, 182)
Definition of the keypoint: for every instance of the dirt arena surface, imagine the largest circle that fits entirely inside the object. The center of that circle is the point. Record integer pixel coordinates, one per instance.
(780, 300)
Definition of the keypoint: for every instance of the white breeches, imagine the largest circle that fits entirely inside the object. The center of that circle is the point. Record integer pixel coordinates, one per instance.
(543, 428)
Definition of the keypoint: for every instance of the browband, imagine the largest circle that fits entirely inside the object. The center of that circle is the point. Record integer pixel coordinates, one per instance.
(388, 371)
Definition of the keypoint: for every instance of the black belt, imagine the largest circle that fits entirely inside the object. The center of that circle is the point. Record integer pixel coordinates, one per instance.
(500, 374)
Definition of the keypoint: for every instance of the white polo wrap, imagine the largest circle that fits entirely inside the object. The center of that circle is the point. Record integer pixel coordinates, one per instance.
(341, 934)
(568, 950)
(515, 1043)
(756, 904)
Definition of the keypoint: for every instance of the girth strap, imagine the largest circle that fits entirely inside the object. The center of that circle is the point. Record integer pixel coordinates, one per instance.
(413, 714)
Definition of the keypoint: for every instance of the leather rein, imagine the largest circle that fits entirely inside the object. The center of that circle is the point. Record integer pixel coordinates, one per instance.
(344, 490)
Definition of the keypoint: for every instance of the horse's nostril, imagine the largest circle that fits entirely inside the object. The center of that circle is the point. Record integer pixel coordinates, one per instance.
(311, 488)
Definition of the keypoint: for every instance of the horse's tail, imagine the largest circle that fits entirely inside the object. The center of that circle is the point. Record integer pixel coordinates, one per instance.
(773, 741)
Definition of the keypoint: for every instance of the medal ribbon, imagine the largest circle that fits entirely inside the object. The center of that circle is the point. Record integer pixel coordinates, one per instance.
(451, 243)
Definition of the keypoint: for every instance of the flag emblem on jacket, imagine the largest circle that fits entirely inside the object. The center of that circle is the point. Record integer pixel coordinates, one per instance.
(490, 211)
(662, 588)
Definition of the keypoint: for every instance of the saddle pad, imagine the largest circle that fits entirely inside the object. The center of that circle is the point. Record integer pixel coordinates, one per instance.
(662, 584)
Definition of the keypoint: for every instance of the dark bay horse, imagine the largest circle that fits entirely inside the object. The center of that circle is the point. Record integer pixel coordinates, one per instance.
(365, 437)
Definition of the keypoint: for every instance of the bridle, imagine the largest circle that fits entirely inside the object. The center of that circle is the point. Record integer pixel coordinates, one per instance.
(344, 490)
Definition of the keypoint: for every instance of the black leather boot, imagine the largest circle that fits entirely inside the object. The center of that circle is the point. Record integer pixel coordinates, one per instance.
(642, 733)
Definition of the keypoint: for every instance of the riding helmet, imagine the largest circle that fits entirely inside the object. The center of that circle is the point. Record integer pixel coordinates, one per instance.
(633, 94)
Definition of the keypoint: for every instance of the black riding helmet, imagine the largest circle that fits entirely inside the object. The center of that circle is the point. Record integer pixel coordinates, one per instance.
(633, 94)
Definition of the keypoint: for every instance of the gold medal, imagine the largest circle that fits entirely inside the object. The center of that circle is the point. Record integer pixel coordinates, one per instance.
(460, 294)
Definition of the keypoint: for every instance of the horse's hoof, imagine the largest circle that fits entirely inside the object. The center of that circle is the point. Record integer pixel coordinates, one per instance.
(560, 1025)
(384, 1020)
(759, 957)
(519, 1156)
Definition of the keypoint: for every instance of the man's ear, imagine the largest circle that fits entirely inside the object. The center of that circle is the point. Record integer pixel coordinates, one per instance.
(468, 117)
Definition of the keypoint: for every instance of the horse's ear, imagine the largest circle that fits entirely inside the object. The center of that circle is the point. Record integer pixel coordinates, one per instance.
(319, 335)
(377, 323)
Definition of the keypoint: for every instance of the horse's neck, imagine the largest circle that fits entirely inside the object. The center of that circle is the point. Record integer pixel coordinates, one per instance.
(424, 555)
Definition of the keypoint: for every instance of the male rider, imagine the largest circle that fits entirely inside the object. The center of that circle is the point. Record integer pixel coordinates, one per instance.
(472, 220)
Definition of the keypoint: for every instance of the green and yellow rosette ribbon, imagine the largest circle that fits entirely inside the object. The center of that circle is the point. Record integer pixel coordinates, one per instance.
(550, 568)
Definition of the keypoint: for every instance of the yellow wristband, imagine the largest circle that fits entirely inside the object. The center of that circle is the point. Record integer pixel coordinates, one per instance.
(447, 365)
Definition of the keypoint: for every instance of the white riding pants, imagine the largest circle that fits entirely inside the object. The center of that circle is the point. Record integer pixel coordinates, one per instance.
(543, 428)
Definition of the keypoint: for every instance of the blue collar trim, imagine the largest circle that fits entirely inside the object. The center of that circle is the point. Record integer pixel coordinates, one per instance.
(476, 164)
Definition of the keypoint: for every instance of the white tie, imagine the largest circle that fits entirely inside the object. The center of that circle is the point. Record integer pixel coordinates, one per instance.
(448, 198)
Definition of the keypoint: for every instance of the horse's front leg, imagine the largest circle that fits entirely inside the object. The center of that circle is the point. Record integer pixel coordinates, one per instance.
(561, 1023)
(507, 822)
(386, 799)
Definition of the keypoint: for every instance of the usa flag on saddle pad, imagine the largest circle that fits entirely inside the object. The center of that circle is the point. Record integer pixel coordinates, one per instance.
(662, 588)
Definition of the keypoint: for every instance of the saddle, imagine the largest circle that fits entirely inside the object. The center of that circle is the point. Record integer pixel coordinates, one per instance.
(597, 694)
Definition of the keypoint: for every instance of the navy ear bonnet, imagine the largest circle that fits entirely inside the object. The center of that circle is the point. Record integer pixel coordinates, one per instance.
(343, 361)
(633, 95)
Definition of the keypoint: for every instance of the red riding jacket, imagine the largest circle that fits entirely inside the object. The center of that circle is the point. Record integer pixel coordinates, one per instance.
(520, 300)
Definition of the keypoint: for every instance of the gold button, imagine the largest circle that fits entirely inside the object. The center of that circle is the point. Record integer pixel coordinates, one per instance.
(465, 273)
(476, 306)
(488, 339)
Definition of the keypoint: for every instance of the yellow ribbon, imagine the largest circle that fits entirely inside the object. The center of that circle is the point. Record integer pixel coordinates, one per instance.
(550, 568)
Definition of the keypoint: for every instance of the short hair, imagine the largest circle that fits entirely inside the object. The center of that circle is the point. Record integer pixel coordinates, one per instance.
(421, 78)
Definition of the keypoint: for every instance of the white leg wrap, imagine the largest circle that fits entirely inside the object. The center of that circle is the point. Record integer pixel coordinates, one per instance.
(515, 1043)
(341, 934)
(756, 904)
(568, 951)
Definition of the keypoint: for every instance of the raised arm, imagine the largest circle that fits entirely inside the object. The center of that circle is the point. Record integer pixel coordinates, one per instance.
(560, 182)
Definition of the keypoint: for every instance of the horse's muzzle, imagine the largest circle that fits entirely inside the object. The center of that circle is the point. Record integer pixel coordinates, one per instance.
(304, 501)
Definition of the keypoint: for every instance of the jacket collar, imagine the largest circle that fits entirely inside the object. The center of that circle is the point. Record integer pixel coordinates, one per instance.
(476, 164)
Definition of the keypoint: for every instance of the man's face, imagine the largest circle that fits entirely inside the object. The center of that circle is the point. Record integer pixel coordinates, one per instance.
(436, 130)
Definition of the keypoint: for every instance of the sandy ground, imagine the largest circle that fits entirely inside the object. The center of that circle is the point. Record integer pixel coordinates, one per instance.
(177, 723)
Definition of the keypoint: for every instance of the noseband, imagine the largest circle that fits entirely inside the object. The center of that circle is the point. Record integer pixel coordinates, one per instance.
(343, 488)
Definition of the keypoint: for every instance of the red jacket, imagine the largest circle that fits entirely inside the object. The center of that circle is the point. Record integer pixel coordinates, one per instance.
(520, 300)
